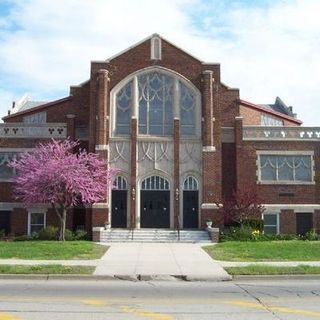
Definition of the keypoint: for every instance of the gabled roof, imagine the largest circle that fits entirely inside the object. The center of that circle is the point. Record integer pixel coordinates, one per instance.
(149, 38)
(268, 109)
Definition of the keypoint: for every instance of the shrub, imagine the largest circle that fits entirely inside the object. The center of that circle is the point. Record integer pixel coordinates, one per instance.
(48, 233)
(311, 235)
(80, 234)
(2, 234)
(256, 224)
(243, 233)
(287, 237)
(68, 235)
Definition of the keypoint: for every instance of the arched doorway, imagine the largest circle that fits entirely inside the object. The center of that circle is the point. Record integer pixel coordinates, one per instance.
(190, 203)
(155, 203)
(119, 203)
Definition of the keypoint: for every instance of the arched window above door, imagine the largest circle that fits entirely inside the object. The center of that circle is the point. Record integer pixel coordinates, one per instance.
(120, 183)
(155, 183)
(190, 183)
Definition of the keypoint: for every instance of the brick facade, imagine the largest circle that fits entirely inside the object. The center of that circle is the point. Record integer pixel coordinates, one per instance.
(221, 165)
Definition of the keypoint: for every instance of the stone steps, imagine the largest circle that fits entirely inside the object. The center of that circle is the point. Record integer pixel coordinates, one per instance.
(154, 235)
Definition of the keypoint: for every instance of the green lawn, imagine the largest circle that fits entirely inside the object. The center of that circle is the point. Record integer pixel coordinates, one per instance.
(45, 269)
(272, 270)
(294, 250)
(51, 250)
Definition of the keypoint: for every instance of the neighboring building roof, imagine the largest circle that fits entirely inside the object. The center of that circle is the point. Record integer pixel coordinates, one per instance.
(278, 109)
(280, 106)
(24, 103)
(32, 106)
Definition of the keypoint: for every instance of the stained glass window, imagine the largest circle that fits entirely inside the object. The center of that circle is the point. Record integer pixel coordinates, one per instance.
(155, 103)
(123, 109)
(187, 110)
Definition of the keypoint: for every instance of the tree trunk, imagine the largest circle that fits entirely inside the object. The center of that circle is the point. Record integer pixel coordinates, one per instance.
(62, 215)
(63, 224)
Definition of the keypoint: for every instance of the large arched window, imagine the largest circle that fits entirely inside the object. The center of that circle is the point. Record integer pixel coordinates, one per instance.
(155, 97)
(155, 104)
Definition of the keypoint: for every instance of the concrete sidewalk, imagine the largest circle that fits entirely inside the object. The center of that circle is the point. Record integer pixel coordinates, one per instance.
(160, 260)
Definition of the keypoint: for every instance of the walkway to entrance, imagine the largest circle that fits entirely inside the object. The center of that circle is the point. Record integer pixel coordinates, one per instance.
(184, 260)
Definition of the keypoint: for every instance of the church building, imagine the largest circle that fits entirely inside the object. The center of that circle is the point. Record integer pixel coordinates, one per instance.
(181, 139)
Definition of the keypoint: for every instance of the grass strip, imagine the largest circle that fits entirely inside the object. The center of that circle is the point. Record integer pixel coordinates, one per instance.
(294, 250)
(45, 269)
(272, 270)
(51, 250)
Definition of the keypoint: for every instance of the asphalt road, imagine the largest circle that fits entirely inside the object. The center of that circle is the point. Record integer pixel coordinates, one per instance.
(74, 299)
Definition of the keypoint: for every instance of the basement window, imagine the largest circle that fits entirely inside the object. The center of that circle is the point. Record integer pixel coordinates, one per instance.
(37, 222)
(271, 223)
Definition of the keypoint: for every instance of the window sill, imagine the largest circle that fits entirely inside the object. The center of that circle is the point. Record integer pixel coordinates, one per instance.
(286, 182)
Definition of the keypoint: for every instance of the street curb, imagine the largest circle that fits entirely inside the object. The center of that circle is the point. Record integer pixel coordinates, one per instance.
(116, 277)
(277, 277)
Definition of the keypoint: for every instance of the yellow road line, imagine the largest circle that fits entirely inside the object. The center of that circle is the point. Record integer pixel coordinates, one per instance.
(6, 316)
(258, 306)
(95, 302)
(146, 314)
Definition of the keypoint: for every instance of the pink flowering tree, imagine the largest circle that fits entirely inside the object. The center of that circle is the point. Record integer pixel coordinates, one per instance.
(54, 173)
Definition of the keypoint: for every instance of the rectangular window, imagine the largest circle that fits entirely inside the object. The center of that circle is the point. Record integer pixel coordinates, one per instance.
(271, 223)
(37, 222)
(286, 167)
(6, 173)
(40, 117)
(267, 120)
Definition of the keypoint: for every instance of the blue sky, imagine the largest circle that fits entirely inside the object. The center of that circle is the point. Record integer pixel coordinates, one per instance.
(266, 48)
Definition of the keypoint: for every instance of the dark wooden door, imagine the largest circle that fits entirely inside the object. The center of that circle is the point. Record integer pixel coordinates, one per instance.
(155, 209)
(5, 221)
(190, 209)
(304, 222)
(119, 209)
(79, 218)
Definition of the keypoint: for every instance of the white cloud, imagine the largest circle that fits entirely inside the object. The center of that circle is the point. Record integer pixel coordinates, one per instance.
(267, 51)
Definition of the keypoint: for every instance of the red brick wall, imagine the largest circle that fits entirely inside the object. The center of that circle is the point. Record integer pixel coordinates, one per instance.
(253, 117)
(99, 216)
(229, 182)
(19, 221)
(287, 222)
(247, 173)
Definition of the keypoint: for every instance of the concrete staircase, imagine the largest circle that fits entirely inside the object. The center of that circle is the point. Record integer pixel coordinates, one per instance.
(154, 235)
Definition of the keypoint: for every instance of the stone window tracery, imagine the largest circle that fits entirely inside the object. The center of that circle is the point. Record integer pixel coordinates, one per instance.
(123, 109)
(187, 110)
(155, 104)
(155, 98)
